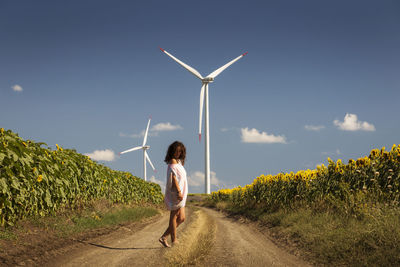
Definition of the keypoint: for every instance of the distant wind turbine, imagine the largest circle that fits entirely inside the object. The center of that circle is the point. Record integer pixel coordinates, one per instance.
(204, 96)
(145, 155)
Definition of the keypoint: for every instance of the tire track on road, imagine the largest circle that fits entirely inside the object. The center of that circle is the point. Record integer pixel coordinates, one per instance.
(238, 244)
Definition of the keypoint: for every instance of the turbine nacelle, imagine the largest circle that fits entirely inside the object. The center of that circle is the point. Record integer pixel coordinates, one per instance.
(145, 147)
(207, 80)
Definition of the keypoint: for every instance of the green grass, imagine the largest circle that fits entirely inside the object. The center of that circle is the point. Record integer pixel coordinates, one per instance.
(7, 234)
(100, 214)
(90, 219)
(329, 238)
(373, 240)
(97, 220)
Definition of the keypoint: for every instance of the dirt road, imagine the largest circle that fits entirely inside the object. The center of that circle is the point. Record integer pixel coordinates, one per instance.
(238, 244)
(135, 245)
(209, 238)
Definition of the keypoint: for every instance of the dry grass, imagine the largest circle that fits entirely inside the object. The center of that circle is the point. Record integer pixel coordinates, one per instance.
(221, 205)
(195, 243)
(330, 239)
(95, 214)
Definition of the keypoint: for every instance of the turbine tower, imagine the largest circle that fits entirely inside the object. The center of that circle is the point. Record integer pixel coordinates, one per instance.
(204, 96)
(145, 155)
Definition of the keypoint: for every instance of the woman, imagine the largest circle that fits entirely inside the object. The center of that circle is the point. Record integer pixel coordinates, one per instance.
(176, 190)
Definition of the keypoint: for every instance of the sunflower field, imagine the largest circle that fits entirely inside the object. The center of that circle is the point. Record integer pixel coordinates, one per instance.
(347, 188)
(36, 181)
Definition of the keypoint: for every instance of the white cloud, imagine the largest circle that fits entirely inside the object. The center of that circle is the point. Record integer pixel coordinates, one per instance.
(17, 88)
(103, 155)
(351, 123)
(165, 126)
(337, 152)
(160, 127)
(197, 179)
(141, 134)
(314, 127)
(161, 183)
(214, 180)
(228, 129)
(254, 136)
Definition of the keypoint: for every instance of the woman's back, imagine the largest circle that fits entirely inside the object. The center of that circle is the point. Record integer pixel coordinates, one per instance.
(171, 194)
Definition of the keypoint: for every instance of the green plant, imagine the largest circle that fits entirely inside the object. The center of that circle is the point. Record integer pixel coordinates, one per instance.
(35, 180)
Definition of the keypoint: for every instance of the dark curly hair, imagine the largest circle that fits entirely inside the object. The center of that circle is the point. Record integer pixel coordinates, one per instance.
(171, 152)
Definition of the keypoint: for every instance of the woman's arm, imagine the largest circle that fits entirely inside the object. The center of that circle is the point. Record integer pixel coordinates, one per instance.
(176, 184)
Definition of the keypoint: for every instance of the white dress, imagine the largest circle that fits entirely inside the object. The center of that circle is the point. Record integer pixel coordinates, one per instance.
(171, 194)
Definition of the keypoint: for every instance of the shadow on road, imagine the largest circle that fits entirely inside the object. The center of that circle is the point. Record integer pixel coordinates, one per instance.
(106, 247)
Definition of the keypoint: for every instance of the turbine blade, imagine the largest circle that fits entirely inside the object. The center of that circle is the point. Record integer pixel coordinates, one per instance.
(148, 159)
(221, 69)
(129, 150)
(190, 69)
(145, 134)
(201, 109)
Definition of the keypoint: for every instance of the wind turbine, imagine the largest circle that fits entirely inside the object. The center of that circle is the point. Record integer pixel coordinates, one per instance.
(204, 96)
(145, 155)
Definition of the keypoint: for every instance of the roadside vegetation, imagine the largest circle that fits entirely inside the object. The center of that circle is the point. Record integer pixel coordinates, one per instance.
(36, 240)
(196, 242)
(341, 214)
(36, 181)
(101, 214)
(49, 197)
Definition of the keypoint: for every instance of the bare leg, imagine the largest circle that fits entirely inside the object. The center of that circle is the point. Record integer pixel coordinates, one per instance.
(181, 216)
(177, 217)
(171, 230)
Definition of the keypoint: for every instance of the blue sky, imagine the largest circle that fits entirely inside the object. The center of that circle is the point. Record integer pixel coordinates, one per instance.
(320, 79)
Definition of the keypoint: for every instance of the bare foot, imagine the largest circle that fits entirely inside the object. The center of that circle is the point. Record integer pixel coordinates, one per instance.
(163, 241)
(176, 242)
